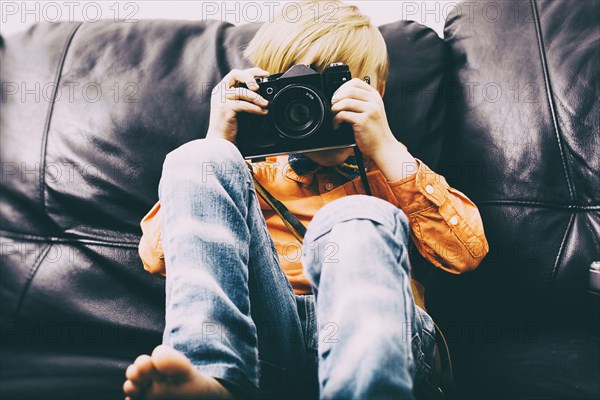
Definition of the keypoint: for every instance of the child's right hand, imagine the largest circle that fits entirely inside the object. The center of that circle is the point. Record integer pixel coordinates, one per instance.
(227, 100)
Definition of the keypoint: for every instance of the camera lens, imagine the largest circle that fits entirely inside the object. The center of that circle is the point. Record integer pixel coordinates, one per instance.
(298, 111)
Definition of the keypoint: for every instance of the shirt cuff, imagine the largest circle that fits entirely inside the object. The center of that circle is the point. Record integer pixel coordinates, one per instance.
(420, 190)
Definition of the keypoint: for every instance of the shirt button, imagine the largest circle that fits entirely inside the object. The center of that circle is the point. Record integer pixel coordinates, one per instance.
(453, 220)
(329, 186)
(429, 189)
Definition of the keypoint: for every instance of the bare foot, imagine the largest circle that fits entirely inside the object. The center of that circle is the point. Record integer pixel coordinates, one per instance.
(168, 374)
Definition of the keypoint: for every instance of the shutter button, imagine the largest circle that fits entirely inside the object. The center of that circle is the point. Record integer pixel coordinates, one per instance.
(429, 189)
(453, 220)
(329, 186)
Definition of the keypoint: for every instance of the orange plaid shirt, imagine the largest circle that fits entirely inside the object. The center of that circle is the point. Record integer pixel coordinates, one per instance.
(445, 225)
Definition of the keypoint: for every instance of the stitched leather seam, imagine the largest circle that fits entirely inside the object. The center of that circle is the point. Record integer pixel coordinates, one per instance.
(595, 237)
(220, 52)
(34, 268)
(549, 94)
(56, 239)
(560, 250)
(537, 204)
(49, 117)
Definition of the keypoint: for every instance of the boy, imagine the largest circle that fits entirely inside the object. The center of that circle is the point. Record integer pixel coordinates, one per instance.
(242, 304)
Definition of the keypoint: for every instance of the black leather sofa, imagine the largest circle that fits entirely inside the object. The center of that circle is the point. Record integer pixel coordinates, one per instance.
(507, 107)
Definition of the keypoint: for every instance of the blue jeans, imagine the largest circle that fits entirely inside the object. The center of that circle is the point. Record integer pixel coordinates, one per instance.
(231, 310)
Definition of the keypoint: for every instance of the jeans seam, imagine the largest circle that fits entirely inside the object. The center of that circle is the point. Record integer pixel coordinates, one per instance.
(272, 364)
(311, 326)
(429, 334)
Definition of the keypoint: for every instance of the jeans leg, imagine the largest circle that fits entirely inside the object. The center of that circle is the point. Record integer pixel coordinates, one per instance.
(225, 288)
(356, 257)
(308, 319)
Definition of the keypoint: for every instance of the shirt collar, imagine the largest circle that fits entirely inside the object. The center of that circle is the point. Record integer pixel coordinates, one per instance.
(302, 169)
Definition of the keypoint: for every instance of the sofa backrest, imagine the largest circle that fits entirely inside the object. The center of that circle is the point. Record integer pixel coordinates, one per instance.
(523, 142)
(523, 124)
(89, 112)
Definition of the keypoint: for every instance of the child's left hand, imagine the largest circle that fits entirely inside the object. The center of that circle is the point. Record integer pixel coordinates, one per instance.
(361, 105)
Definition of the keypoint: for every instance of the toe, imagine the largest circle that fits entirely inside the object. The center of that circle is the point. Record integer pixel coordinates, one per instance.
(144, 367)
(169, 361)
(133, 374)
(130, 388)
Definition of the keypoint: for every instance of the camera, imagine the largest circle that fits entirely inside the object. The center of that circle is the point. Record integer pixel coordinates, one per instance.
(299, 117)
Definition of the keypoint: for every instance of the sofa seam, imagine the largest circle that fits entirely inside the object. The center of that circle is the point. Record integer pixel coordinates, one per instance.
(57, 239)
(560, 250)
(537, 204)
(44, 147)
(31, 273)
(549, 94)
(220, 52)
(596, 239)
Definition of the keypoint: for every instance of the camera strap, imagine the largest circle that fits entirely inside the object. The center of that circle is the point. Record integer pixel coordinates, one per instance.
(361, 168)
(291, 222)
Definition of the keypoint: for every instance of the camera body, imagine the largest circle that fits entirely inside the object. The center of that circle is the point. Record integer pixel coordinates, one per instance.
(299, 118)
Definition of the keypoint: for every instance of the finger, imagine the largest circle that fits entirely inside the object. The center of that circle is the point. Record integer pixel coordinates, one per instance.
(244, 106)
(349, 104)
(247, 95)
(346, 116)
(359, 83)
(354, 92)
(258, 71)
(246, 76)
(249, 77)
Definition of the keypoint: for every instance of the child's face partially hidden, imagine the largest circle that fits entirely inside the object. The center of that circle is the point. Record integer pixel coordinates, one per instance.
(333, 157)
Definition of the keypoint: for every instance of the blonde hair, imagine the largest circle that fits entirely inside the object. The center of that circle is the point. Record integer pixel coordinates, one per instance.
(329, 31)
